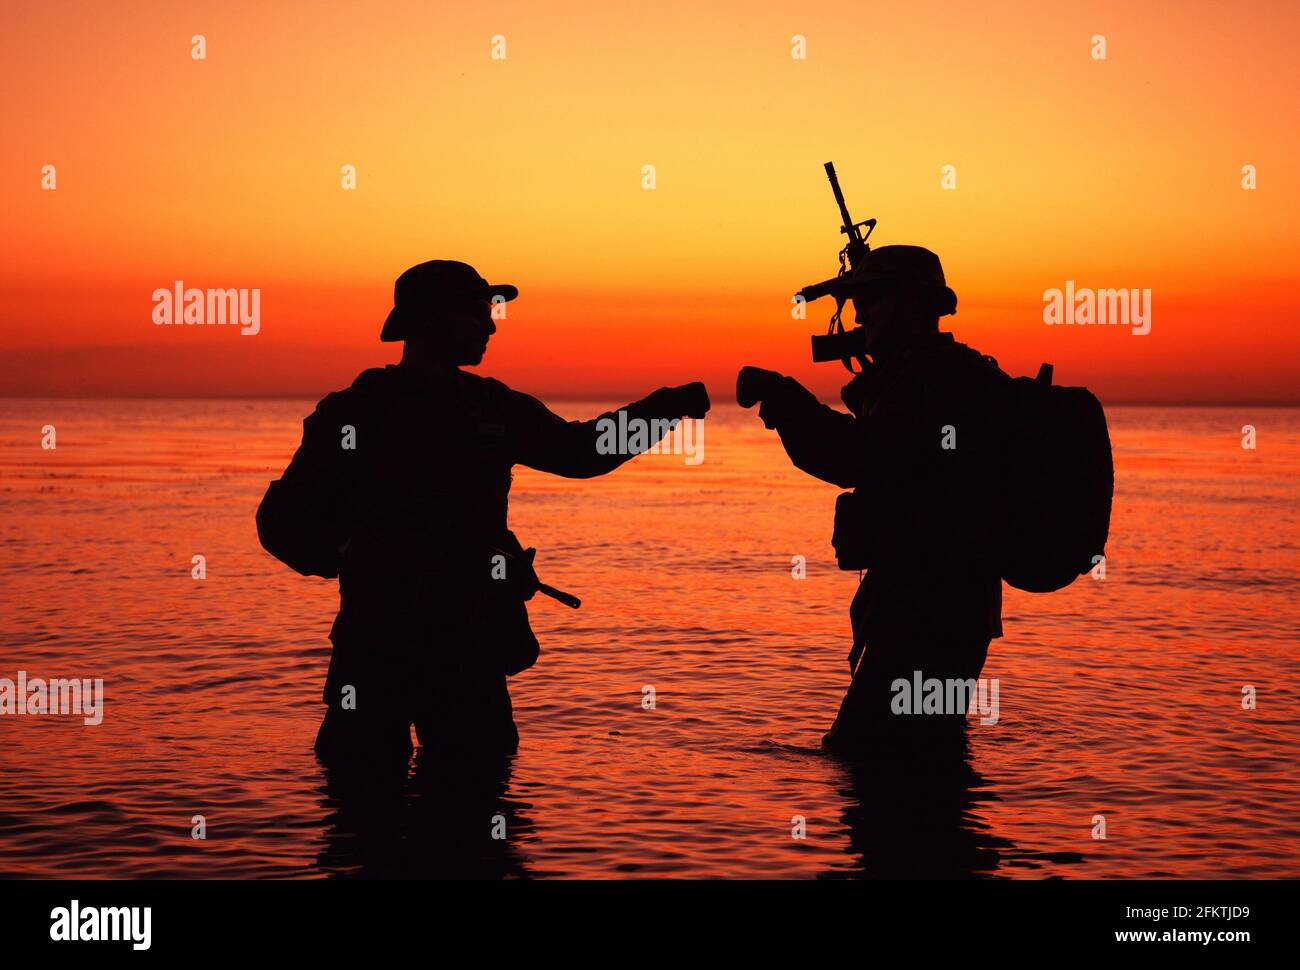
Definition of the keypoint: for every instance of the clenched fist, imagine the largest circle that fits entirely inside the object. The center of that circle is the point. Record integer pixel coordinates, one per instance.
(753, 384)
(690, 400)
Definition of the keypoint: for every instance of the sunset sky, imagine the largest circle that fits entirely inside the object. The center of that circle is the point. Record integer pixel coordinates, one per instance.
(225, 172)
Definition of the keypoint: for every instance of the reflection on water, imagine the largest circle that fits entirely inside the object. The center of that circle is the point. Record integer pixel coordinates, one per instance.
(444, 821)
(914, 817)
(1119, 698)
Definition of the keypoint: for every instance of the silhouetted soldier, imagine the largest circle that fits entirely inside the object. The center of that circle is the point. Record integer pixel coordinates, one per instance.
(400, 487)
(919, 449)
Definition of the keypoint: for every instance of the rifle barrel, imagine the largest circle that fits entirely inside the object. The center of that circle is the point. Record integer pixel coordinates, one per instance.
(568, 599)
(839, 200)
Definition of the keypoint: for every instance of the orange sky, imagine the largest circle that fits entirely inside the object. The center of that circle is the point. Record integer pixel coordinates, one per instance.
(226, 173)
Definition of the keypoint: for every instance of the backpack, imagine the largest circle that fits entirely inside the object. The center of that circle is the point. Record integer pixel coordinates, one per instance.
(1058, 485)
(300, 520)
(293, 526)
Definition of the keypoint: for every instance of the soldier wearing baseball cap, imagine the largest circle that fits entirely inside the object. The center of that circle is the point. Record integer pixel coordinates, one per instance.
(400, 489)
(918, 447)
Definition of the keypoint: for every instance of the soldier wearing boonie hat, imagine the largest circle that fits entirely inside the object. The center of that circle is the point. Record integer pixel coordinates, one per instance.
(401, 488)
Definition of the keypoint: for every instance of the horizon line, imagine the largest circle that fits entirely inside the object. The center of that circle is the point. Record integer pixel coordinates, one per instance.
(593, 397)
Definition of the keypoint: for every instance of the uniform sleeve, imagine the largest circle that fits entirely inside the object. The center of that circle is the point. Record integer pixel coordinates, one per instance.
(820, 440)
(583, 449)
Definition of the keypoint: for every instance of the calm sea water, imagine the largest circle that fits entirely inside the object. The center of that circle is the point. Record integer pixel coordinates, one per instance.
(1120, 698)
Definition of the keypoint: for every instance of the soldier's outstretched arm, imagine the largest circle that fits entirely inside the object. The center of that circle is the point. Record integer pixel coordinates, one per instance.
(585, 449)
(820, 440)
